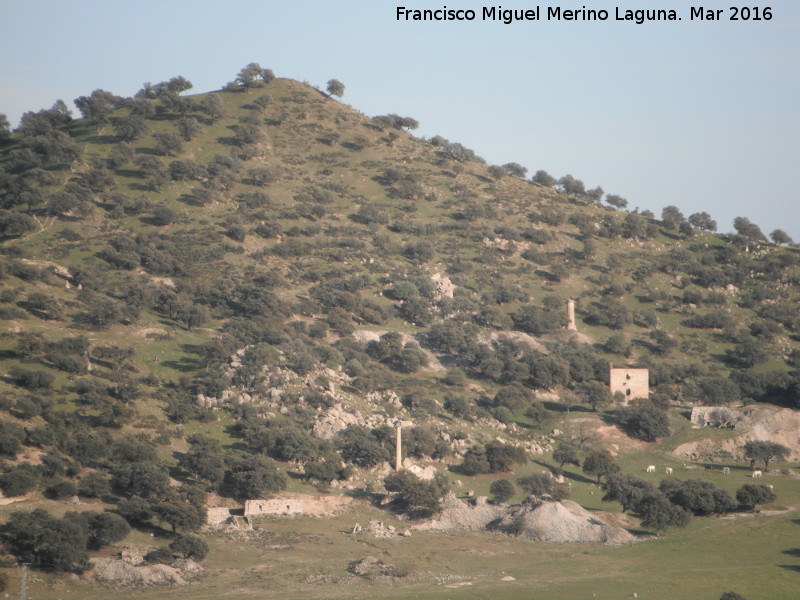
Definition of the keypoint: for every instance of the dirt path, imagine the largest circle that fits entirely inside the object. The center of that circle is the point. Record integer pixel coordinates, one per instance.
(48, 223)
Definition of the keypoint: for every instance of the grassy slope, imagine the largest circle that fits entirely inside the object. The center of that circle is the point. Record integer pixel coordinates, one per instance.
(308, 558)
(690, 558)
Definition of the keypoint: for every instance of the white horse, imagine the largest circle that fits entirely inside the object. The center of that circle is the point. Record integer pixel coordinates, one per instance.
(756, 474)
(726, 470)
(668, 470)
(651, 468)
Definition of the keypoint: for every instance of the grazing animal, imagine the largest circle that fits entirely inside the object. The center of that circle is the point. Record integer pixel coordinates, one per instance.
(726, 470)
(651, 468)
(668, 470)
(756, 474)
(710, 468)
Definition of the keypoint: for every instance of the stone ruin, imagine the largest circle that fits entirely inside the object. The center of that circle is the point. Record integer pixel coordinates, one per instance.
(715, 416)
(571, 316)
(296, 505)
(631, 383)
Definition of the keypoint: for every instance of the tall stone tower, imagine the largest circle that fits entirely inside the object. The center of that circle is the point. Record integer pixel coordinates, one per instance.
(571, 315)
(398, 452)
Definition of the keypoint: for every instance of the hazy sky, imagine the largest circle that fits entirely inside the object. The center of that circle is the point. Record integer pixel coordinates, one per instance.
(704, 115)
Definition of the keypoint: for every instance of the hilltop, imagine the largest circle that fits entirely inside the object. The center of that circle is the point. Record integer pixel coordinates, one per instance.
(246, 291)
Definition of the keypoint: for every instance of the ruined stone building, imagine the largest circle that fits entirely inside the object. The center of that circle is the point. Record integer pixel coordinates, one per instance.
(631, 383)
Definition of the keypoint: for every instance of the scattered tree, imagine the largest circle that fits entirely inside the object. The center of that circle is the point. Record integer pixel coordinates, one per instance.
(600, 463)
(643, 423)
(595, 194)
(254, 75)
(595, 393)
(697, 497)
(658, 513)
(98, 106)
(189, 546)
(627, 490)
(616, 201)
(501, 457)
(748, 230)
(752, 495)
(501, 490)
(566, 454)
(5, 129)
(766, 451)
(671, 217)
(514, 170)
(213, 106)
(421, 497)
(544, 485)
(189, 128)
(544, 178)
(702, 220)
(779, 236)
(335, 88)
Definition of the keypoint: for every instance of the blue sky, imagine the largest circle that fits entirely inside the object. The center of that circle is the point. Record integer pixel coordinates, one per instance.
(702, 115)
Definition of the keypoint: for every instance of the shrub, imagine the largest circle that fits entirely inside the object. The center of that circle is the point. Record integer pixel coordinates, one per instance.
(11, 437)
(417, 495)
(459, 406)
(513, 397)
(189, 546)
(751, 495)
(502, 457)
(627, 490)
(324, 472)
(162, 556)
(46, 542)
(61, 490)
(94, 485)
(645, 423)
(31, 379)
(359, 446)
(105, 528)
(249, 476)
(543, 484)
(600, 463)
(19, 480)
(718, 391)
(697, 497)
(501, 490)
(658, 513)
(474, 462)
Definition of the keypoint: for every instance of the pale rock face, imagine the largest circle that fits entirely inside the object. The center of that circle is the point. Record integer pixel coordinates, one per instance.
(444, 287)
(426, 474)
(336, 419)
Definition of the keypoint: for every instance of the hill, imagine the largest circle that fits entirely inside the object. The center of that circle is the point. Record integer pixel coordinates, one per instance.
(235, 293)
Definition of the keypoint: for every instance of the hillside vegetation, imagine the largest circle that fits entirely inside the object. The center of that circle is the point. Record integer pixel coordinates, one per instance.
(232, 294)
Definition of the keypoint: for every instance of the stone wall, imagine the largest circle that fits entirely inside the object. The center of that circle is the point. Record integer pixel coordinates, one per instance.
(297, 504)
(714, 416)
(632, 383)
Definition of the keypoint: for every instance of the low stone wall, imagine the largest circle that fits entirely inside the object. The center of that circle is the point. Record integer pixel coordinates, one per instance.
(714, 416)
(297, 504)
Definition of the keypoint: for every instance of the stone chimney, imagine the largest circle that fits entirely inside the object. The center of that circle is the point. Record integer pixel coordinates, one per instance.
(571, 315)
(398, 453)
